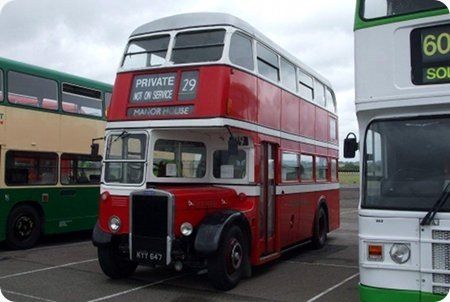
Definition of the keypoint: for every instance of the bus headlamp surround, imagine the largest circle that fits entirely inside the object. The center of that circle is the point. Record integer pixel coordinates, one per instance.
(186, 229)
(114, 224)
(400, 253)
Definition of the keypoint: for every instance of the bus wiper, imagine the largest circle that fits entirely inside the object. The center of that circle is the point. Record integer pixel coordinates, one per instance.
(121, 135)
(440, 202)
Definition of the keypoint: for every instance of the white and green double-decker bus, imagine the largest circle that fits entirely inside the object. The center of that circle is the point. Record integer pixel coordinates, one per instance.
(49, 182)
(402, 74)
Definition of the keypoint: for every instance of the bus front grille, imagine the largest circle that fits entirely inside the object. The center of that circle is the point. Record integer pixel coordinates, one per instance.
(151, 220)
(441, 262)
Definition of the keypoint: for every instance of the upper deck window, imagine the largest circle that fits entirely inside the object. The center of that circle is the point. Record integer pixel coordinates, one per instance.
(371, 9)
(198, 46)
(331, 103)
(1, 85)
(81, 100)
(146, 52)
(305, 87)
(34, 91)
(241, 52)
(288, 75)
(268, 63)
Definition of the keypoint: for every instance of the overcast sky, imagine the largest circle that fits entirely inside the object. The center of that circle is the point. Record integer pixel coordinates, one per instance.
(87, 37)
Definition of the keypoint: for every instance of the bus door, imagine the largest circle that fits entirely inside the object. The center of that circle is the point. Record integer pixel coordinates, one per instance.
(267, 199)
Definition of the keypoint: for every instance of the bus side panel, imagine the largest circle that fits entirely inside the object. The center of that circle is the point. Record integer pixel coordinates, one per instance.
(5, 208)
(333, 203)
(269, 108)
(64, 209)
(212, 91)
(307, 119)
(307, 209)
(322, 125)
(243, 102)
(290, 112)
(71, 209)
(119, 99)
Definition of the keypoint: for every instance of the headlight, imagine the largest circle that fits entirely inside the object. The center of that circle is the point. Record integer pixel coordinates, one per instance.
(186, 229)
(400, 253)
(114, 224)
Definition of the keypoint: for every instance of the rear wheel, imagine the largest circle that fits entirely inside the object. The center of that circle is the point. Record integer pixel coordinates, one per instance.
(23, 227)
(226, 266)
(320, 229)
(113, 263)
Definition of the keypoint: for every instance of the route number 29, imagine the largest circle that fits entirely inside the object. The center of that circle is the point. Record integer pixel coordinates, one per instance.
(189, 85)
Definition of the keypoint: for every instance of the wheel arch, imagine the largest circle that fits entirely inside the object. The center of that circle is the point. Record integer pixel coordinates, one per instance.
(212, 228)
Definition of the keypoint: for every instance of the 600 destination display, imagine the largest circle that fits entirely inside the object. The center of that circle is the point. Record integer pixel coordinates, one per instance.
(430, 55)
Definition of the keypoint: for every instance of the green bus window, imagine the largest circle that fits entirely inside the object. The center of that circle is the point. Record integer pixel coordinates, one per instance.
(381, 8)
(1, 85)
(107, 102)
(28, 90)
(241, 52)
(81, 100)
(80, 169)
(31, 168)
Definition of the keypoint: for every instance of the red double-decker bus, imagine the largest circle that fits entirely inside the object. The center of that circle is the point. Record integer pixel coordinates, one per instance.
(221, 150)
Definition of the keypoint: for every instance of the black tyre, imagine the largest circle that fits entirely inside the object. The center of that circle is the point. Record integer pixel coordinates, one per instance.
(320, 229)
(226, 266)
(114, 264)
(23, 228)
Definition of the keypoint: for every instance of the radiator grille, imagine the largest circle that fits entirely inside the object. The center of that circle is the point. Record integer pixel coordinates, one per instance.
(151, 220)
(441, 235)
(441, 256)
(440, 290)
(149, 216)
(441, 261)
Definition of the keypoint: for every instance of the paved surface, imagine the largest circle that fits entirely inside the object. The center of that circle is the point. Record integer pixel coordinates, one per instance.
(65, 268)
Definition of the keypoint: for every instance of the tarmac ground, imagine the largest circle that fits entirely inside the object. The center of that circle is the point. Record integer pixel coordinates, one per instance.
(65, 268)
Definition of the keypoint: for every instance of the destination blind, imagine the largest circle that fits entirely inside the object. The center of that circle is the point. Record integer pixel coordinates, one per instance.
(152, 88)
(430, 55)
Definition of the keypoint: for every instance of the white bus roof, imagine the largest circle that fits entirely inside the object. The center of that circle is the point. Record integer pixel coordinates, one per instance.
(192, 20)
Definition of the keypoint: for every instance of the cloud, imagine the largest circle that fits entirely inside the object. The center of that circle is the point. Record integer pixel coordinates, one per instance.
(87, 38)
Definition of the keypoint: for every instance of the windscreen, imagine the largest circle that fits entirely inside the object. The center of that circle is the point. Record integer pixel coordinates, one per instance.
(406, 164)
(125, 158)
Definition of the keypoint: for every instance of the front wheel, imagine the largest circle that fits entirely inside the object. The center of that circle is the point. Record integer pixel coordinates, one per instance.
(226, 266)
(113, 263)
(23, 227)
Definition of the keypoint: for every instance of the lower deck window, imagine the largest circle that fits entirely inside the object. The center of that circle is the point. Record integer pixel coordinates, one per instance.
(228, 165)
(174, 158)
(80, 169)
(31, 168)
